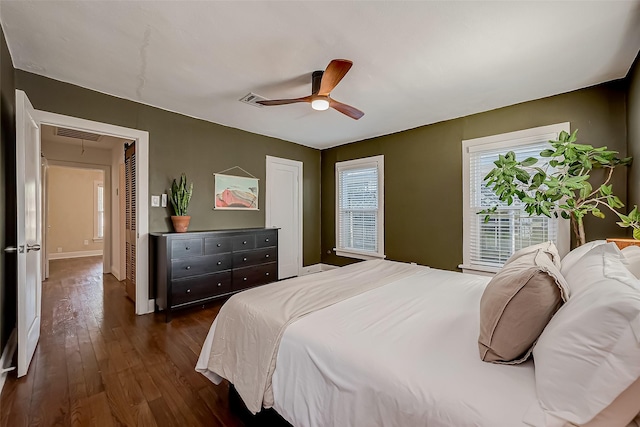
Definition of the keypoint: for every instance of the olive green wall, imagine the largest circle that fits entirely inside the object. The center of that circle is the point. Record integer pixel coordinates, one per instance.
(7, 192)
(423, 171)
(178, 143)
(633, 129)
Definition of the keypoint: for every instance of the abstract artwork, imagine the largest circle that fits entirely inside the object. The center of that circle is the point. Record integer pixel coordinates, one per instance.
(235, 192)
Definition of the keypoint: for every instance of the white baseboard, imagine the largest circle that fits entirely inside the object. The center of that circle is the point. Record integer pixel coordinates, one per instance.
(77, 254)
(115, 271)
(7, 357)
(316, 268)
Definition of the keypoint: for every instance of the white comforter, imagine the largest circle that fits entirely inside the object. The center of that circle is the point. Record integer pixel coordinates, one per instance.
(405, 354)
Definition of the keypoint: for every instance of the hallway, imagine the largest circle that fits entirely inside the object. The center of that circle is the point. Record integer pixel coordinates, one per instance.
(98, 364)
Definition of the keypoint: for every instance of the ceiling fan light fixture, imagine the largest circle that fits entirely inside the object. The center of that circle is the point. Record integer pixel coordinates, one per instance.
(320, 103)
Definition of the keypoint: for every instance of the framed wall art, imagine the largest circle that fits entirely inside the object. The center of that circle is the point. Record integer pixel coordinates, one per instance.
(235, 192)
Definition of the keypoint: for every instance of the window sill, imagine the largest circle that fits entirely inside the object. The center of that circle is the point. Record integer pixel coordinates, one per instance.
(358, 255)
(481, 270)
(97, 239)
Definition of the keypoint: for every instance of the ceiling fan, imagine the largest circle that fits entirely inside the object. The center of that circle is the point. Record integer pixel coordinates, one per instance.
(322, 83)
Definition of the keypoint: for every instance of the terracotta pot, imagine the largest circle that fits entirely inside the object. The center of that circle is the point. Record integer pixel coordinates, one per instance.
(180, 223)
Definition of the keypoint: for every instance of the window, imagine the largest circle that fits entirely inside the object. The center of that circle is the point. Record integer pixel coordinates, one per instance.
(98, 211)
(360, 208)
(487, 246)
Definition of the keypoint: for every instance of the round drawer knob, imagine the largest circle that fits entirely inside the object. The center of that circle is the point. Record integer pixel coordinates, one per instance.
(187, 248)
(188, 267)
(266, 240)
(219, 284)
(244, 243)
(244, 279)
(218, 245)
(266, 274)
(219, 262)
(188, 291)
(266, 256)
(244, 259)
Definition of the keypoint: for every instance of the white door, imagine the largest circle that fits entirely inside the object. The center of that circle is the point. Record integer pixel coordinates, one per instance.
(29, 231)
(284, 210)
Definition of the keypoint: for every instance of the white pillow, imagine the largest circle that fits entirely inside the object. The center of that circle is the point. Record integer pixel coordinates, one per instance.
(589, 352)
(574, 256)
(590, 265)
(632, 255)
(547, 247)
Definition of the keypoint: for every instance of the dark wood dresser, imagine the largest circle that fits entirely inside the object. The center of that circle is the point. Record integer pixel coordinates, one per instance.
(193, 268)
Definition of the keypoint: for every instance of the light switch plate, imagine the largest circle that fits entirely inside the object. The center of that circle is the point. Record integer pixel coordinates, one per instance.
(164, 201)
(155, 201)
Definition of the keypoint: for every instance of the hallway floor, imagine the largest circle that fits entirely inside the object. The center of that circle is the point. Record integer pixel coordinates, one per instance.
(98, 364)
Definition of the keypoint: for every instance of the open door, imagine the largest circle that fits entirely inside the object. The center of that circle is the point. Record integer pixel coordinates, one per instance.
(29, 230)
(130, 218)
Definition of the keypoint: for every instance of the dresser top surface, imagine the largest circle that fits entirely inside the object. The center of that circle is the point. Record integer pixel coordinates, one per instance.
(205, 232)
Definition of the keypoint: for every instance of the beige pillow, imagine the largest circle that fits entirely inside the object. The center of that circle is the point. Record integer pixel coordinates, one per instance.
(516, 306)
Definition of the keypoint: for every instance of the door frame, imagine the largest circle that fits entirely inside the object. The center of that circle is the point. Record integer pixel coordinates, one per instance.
(271, 161)
(143, 304)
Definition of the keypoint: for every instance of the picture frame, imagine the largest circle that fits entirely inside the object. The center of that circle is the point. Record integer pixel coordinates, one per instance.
(235, 193)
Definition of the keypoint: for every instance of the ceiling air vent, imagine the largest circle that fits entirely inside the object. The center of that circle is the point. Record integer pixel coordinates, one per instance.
(77, 134)
(251, 99)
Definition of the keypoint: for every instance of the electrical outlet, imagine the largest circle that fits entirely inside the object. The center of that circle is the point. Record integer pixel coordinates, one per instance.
(59, 249)
(164, 201)
(155, 201)
(86, 243)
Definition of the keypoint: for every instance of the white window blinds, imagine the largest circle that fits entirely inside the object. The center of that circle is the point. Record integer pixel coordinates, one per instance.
(359, 207)
(487, 246)
(509, 228)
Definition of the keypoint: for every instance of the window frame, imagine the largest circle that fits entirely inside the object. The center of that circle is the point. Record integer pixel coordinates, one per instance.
(96, 211)
(504, 141)
(356, 164)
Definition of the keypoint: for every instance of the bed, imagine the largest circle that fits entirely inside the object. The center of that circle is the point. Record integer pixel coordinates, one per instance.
(403, 352)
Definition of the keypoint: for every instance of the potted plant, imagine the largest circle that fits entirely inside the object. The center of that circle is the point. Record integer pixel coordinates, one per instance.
(562, 186)
(180, 194)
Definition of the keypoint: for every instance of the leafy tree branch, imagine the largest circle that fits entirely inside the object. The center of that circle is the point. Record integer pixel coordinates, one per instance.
(561, 187)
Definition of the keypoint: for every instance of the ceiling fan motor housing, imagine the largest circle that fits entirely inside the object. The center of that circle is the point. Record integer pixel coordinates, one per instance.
(316, 78)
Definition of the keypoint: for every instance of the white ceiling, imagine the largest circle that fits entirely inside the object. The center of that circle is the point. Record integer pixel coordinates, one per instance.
(415, 63)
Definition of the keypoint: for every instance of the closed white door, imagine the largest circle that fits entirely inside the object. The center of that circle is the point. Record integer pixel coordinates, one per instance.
(29, 233)
(284, 210)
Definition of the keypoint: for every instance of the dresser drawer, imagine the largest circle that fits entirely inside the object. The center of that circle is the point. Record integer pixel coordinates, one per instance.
(181, 248)
(254, 257)
(266, 238)
(248, 277)
(196, 266)
(217, 245)
(243, 243)
(198, 288)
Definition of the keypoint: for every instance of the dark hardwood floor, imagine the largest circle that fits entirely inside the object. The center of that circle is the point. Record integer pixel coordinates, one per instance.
(98, 364)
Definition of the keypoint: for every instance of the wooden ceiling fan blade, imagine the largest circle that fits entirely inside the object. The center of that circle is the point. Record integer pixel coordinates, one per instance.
(345, 109)
(284, 101)
(335, 71)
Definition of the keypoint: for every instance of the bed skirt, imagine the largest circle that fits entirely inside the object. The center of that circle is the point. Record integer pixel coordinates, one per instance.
(264, 418)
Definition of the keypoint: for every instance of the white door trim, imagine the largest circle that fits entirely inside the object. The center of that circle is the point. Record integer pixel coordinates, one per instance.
(143, 303)
(271, 161)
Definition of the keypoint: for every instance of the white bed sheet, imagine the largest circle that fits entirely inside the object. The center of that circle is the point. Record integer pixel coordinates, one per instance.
(404, 354)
